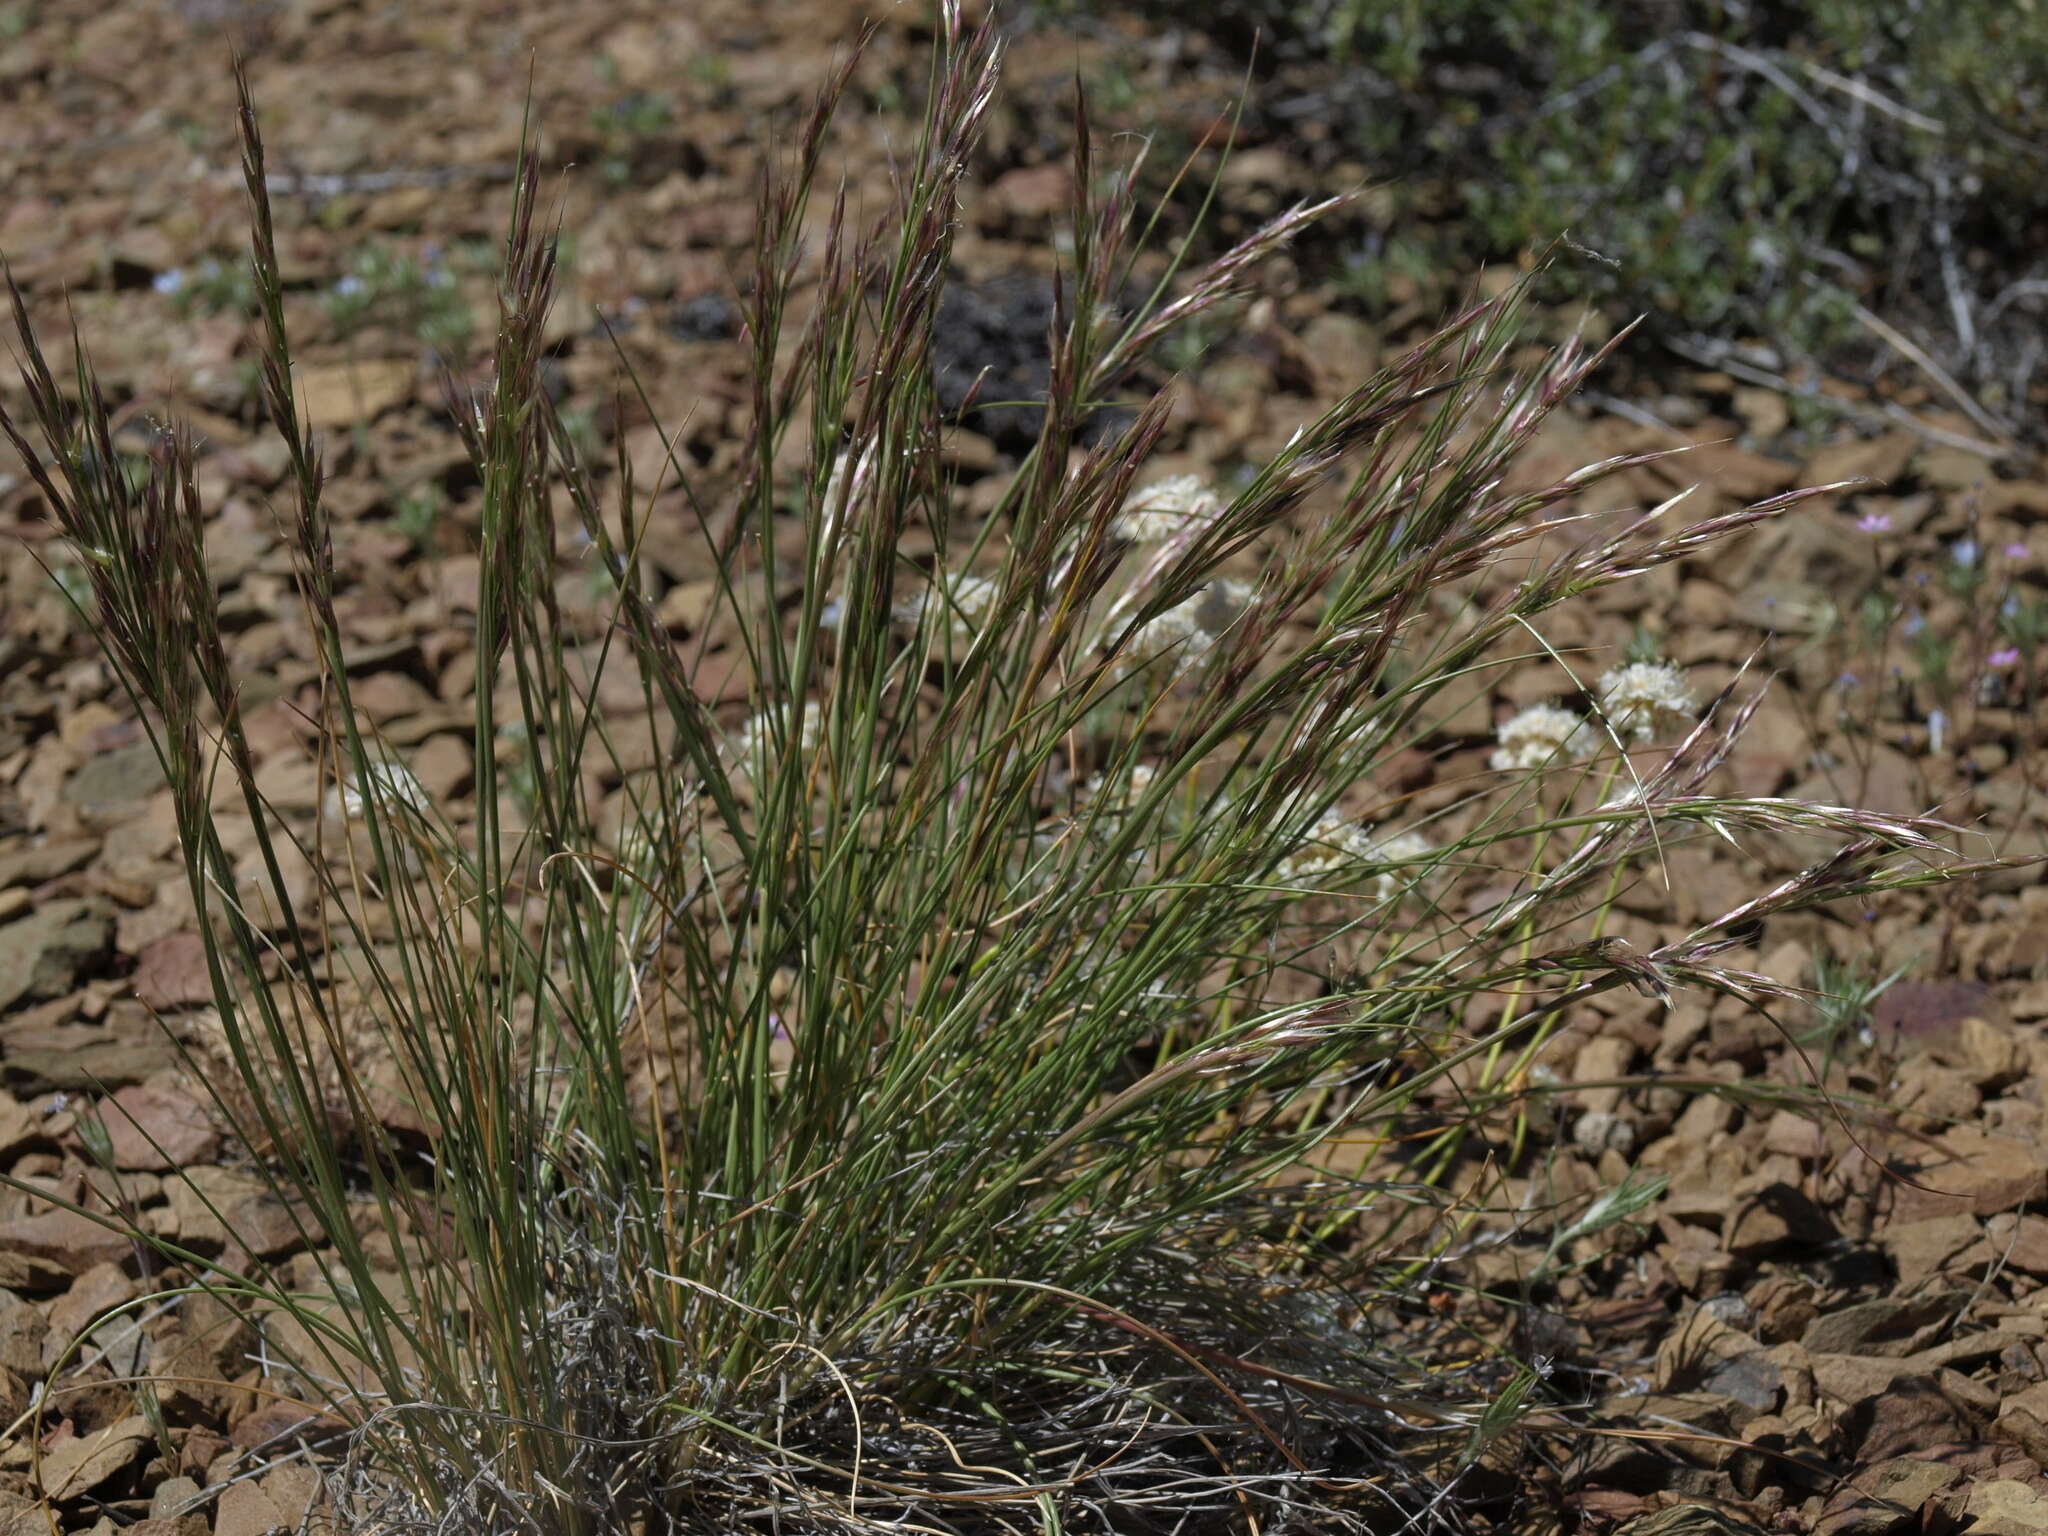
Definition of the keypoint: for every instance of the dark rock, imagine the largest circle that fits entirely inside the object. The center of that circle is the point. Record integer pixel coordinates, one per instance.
(707, 317)
(1000, 326)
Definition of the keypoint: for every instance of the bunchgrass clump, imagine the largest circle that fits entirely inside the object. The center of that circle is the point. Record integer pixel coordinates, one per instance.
(898, 1104)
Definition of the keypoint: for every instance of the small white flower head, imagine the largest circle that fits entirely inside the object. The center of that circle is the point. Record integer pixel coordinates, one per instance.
(1337, 846)
(1191, 628)
(1157, 512)
(1644, 697)
(758, 735)
(1543, 733)
(1332, 843)
(962, 603)
(392, 784)
(1119, 792)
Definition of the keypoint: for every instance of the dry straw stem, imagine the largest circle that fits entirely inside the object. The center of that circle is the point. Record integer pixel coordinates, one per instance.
(872, 1127)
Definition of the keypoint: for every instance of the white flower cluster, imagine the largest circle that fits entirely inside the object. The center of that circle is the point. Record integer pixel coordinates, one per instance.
(1644, 697)
(1542, 734)
(1336, 845)
(1162, 509)
(1190, 628)
(962, 603)
(1121, 792)
(758, 734)
(1637, 701)
(393, 784)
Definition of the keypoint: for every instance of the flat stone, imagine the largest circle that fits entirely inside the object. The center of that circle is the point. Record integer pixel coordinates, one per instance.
(20, 1126)
(100, 1060)
(81, 1465)
(1847, 1330)
(2007, 1507)
(172, 973)
(1885, 1498)
(2023, 1420)
(1796, 1135)
(1909, 1416)
(171, 1525)
(1753, 1379)
(116, 784)
(37, 862)
(213, 1208)
(69, 1242)
(343, 393)
(2021, 1241)
(1853, 1379)
(246, 1510)
(154, 1129)
(1952, 1244)
(92, 1295)
(172, 1496)
(1981, 1173)
(1776, 1219)
(45, 953)
(23, 1330)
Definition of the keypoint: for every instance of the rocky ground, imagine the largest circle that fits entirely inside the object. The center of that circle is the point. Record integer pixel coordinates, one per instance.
(1829, 1323)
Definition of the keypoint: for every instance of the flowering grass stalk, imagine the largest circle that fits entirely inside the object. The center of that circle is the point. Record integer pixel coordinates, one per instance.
(893, 1104)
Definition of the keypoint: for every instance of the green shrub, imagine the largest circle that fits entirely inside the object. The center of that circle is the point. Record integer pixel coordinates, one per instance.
(914, 1104)
(1751, 171)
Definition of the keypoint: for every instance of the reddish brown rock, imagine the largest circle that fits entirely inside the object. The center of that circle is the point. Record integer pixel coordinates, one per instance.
(171, 1525)
(172, 973)
(155, 1129)
(246, 1510)
(1951, 1244)
(63, 1240)
(2021, 1242)
(1778, 1218)
(79, 1465)
(92, 1295)
(2006, 1507)
(1885, 1498)
(1974, 1171)
(2023, 1420)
